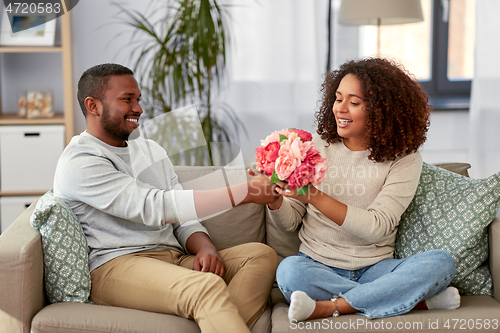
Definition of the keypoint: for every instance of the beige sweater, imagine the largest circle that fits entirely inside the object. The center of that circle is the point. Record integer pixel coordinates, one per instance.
(376, 195)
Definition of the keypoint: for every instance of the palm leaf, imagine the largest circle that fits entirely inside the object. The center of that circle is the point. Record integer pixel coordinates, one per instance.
(182, 60)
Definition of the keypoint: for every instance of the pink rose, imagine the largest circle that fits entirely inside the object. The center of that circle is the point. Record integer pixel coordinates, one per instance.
(266, 157)
(285, 132)
(314, 159)
(304, 135)
(269, 168)
(271, 151)
(303, 175)
(299, 148)
(286, 163)
(274, 137)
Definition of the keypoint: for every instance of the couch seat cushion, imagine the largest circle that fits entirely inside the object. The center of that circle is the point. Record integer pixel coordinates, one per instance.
(80, 317)
(474, 311)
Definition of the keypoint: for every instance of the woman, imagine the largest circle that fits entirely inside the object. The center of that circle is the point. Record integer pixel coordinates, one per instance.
(373, 119)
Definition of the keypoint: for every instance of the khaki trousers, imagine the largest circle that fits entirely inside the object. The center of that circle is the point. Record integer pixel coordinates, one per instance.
(165, 282)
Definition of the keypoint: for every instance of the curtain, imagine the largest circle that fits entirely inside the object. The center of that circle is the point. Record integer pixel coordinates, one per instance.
(485, 93)
(277, 58)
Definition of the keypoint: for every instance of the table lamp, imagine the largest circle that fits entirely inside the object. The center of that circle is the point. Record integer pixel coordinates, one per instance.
(380, 12)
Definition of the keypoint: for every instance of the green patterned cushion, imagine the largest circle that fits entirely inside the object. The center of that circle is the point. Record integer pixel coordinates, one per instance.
(452, 212)
(65, 253)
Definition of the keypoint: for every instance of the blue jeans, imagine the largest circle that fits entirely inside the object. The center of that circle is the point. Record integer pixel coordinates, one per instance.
(388, 288)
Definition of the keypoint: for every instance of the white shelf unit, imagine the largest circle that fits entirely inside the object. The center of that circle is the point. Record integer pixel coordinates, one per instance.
(35, 129)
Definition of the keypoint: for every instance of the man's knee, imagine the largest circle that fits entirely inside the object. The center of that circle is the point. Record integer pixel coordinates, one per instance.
(206, 295)
(262, 254)
(268, 254)
(210, 285)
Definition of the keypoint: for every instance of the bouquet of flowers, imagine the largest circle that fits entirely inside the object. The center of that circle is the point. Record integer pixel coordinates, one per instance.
(290, 156)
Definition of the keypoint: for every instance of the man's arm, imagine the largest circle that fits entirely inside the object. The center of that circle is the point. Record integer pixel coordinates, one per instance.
(257, 190)
(88, 176)
(207, 257)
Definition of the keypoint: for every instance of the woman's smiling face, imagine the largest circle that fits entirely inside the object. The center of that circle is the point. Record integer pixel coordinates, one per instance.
(349, 110)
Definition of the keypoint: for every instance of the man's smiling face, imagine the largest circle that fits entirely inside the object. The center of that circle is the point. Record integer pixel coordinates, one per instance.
(120, 109)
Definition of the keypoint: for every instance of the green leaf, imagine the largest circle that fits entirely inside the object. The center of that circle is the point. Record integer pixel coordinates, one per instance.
(282, 137)
(303, 190)
(274, 177)
(179, 58)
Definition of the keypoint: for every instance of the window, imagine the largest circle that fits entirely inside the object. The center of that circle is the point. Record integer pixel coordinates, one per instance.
(453, 49)
(439, 50)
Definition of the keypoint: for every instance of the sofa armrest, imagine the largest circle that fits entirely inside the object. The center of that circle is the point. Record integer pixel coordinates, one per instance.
(21, 274)
(494, 233)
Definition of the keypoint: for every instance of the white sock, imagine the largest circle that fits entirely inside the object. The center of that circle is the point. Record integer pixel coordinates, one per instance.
(301, 306)
(449, 299)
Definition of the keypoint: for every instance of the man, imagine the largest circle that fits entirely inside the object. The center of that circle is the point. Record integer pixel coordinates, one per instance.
(148, 250)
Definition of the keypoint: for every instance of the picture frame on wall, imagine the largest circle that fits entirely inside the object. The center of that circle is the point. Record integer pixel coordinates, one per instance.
(42, 34)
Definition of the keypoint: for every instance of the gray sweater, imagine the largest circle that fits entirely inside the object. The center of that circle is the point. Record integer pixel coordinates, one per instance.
(376, 195)
(127, 199)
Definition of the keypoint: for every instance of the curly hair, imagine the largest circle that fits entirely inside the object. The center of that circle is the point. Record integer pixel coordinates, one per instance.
(397, 109)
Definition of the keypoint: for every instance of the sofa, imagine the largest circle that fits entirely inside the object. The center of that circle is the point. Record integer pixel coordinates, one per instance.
(24, 306)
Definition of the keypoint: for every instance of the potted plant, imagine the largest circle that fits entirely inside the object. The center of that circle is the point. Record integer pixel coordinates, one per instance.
(181, 61)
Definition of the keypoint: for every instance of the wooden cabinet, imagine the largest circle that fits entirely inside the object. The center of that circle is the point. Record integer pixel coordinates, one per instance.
(63, 114)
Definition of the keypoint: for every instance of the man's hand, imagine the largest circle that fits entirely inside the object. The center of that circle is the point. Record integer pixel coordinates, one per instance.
(207, 257)
(261, 190)
(209, 260)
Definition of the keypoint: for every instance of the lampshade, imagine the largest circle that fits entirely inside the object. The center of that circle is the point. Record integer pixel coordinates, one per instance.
(380, 12)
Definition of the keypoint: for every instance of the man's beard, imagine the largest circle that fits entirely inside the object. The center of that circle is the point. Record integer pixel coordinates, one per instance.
(112, 126)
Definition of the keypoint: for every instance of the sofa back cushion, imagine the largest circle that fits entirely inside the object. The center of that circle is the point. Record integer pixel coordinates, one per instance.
(21, 274)
(452, 212)
(239, 225)
(460, 168)
(494, 237)
(285, 243)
